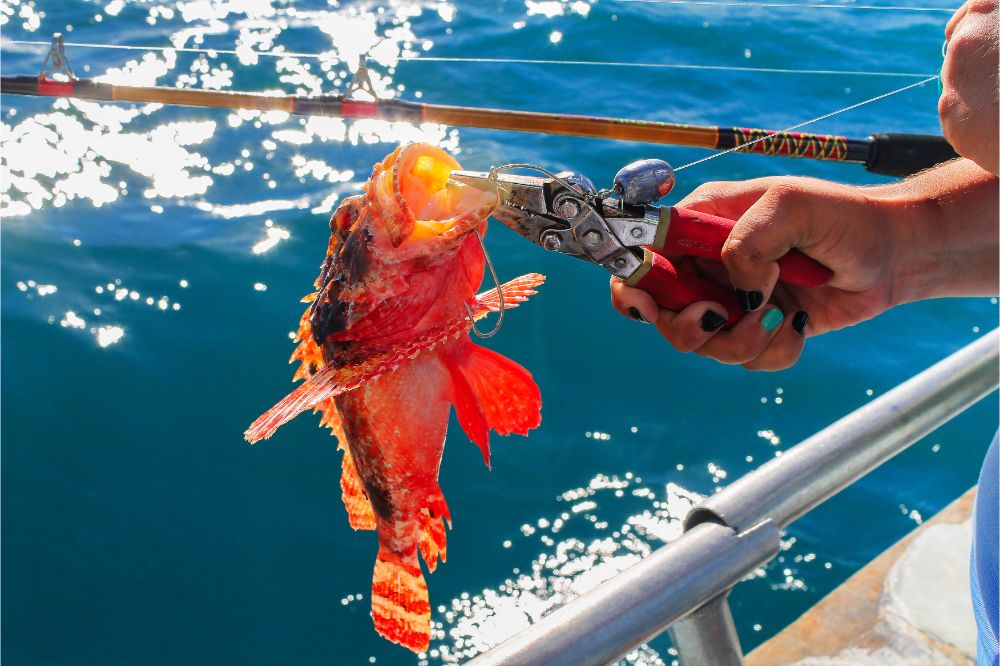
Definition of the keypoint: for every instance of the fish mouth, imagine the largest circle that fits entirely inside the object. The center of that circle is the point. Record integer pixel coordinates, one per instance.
(430, 205)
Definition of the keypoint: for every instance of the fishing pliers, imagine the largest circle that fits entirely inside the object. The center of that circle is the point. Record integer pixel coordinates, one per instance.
(622, 231)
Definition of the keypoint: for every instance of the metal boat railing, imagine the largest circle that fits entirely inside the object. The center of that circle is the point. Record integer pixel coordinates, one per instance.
(682, 586)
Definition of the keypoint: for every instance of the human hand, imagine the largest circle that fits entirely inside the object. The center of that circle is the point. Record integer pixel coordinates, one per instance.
(969, 100)
(840, 226)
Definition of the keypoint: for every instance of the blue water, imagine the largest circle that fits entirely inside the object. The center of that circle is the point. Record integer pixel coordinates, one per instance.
(140, 337)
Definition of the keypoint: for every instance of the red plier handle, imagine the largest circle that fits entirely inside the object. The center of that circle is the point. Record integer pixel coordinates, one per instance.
(564, 213)
(692, 233)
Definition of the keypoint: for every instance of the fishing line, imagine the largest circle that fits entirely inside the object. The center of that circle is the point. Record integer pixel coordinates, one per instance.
(782, 5)
(657, 65)
(179, 49)
(514, 61)
(808, 122)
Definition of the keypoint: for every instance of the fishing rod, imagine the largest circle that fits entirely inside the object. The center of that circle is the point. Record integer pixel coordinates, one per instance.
(887, 154)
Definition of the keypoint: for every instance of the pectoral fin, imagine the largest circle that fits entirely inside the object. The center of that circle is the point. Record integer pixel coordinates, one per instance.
(492, 392)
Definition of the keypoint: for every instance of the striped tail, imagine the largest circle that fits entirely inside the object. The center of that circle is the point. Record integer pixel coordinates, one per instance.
(400, 605)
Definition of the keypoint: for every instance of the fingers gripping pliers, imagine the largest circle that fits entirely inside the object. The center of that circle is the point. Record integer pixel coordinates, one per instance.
(622, 231)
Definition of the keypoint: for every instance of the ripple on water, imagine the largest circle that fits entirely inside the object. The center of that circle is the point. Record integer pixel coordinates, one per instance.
(238, 168)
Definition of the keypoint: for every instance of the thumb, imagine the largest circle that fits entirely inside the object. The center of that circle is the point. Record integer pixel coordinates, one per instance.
(728, 199)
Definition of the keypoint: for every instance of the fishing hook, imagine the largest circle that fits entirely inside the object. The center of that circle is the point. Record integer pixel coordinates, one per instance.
(493, 176)
(496, 281)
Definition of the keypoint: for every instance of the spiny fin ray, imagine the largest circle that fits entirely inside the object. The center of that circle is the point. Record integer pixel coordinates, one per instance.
(366, 363)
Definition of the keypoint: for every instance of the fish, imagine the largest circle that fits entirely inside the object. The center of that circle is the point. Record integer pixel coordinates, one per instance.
(385, 354)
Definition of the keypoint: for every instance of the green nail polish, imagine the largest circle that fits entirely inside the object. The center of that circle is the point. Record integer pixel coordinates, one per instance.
(771, 319)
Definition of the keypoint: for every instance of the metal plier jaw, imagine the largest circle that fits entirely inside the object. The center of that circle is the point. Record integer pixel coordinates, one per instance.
(564, 213)
(619, 230)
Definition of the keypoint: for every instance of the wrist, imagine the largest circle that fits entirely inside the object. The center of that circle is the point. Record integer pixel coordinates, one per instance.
(914, 268)
(943, 230)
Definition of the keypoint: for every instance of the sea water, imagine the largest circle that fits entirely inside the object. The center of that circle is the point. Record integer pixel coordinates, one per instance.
(152, 264)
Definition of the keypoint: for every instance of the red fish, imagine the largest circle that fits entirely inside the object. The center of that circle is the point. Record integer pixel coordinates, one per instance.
(385, 352)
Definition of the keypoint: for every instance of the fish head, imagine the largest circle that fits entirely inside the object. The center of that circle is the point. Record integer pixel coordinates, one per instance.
(420, 212)
(407, 231)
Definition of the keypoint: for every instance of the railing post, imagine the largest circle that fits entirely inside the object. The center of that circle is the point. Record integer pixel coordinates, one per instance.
(707, 637)
(607, 622)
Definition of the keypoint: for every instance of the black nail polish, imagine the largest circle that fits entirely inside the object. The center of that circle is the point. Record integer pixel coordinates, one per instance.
(750, 300)
(799, 321)
(634, 312)
(712, 321)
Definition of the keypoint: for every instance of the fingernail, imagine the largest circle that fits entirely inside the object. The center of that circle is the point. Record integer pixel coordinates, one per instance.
(770, 319)
(799, 322)
(712, 321)
(750, 300)
(634, 312)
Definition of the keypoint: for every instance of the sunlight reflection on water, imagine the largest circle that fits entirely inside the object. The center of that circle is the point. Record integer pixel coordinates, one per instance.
(567, 566)
(582, 544)
(84, 153)
(78, 151)
(84, 149)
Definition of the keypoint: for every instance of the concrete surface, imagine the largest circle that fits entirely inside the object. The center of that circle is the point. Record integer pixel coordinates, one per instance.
(910, 606)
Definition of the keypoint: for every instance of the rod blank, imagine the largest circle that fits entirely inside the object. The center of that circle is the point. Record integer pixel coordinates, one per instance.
(889, 154)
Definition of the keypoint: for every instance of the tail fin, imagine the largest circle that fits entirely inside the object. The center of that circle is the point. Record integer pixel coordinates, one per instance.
(493, 392)
(401, 607)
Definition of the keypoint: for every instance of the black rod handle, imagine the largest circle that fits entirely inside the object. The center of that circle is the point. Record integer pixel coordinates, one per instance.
(906, 154)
